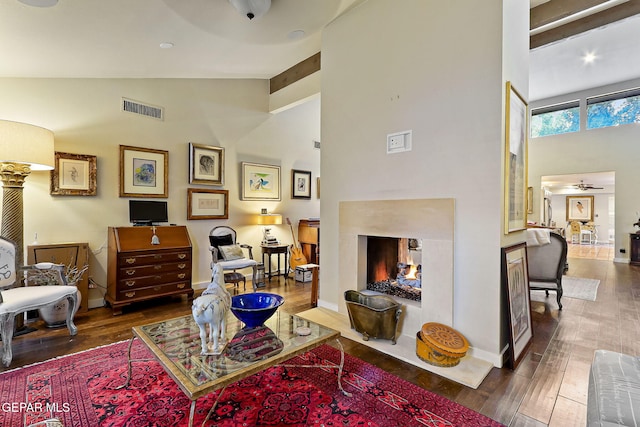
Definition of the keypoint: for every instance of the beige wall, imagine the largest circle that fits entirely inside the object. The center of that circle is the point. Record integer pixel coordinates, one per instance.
(439, 69)
(85, 116)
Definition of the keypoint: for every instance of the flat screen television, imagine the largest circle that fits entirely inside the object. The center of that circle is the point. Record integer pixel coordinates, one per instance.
(147, 212)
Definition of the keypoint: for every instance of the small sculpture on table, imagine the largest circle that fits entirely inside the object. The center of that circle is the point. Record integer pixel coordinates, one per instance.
(211, 309)
(637, 224)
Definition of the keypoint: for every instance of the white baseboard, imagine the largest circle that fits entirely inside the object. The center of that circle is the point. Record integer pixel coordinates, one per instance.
(622, 260)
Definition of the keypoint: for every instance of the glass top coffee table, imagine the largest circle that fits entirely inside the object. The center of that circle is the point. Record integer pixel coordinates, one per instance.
(175, 343)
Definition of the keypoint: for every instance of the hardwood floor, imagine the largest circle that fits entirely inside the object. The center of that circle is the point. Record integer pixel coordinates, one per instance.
(549, 388)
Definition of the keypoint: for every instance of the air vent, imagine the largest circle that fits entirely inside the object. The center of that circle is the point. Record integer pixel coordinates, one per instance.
(316, 144)
(136, 107)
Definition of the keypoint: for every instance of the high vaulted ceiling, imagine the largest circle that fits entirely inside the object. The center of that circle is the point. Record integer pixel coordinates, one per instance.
(122, 38)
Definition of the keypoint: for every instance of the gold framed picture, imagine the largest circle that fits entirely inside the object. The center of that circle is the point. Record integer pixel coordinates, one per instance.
(206, 164)
(74, 175)
(207, 204)
(144, 172)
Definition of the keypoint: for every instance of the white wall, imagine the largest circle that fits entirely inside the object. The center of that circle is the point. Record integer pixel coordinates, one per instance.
(85, 116)
(598, 150)
(435, 68)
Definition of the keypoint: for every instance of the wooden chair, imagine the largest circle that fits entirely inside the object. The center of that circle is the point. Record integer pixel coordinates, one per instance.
(230, 255)
(575, 230)
(16, 299)
(547, 264)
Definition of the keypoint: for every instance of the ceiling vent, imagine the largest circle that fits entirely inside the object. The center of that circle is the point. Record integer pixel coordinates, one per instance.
(136, 107)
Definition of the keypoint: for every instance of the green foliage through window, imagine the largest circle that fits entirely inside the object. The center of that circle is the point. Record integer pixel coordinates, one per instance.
(554, 122)
(613, 112)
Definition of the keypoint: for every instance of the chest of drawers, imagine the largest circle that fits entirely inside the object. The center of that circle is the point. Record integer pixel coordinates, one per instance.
(143, 267)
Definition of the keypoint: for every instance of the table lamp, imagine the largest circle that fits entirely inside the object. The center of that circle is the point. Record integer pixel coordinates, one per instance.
(23, 148)
(267, 219)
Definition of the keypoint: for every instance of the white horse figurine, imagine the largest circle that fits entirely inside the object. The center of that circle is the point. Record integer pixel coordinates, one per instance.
(211, 308)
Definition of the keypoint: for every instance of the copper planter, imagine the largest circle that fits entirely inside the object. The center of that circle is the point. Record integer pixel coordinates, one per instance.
(375, 316)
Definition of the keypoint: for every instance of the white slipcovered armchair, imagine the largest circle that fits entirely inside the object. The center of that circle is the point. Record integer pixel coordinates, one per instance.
(16, 299)
(229, 254)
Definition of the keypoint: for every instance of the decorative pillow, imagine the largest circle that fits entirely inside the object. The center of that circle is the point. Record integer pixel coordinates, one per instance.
(217, 241)
(231, 252)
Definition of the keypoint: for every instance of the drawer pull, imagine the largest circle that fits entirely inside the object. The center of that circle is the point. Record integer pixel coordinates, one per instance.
(130, 272)
(157, 267)
(181, 285)
(130, 294)
(181, 266)
(157, 256)
(182, 275)
(182, 256)
(157, 288)
(130, 260)
(130, 283)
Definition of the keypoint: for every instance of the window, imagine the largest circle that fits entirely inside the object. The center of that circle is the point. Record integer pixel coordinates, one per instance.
(615, 109)
(555, 119)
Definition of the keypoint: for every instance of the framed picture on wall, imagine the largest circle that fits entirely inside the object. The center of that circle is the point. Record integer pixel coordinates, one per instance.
(260, 182)
(144, 172)
(515, 180)
(300, 184)
(74, 175)
(579, 208)
(206, 164)
(207, 204)
(515, 281)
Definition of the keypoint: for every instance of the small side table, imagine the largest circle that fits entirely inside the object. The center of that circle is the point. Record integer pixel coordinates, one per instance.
(278, 250)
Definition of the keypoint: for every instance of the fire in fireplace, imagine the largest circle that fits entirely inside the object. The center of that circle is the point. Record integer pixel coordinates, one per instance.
(394, 266)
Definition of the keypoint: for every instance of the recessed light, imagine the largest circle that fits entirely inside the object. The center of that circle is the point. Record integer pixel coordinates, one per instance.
(166, 45)
(589, 57)
(296, 34)
(39, 3)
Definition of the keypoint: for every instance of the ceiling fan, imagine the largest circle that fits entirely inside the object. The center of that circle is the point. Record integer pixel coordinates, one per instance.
(584, 187)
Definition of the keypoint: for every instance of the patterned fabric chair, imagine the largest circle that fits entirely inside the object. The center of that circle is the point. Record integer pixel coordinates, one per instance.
(230, 255)
(16, 299)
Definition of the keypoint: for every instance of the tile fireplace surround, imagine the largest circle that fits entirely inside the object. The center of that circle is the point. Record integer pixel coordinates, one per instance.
(431, 221)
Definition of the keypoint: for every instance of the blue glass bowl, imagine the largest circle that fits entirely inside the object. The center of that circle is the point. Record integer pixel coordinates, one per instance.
(254, 309)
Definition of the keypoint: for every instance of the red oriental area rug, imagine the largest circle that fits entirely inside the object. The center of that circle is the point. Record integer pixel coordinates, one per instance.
(81, 391)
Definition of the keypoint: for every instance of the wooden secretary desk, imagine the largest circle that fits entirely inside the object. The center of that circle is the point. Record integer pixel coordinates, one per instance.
(141, 267)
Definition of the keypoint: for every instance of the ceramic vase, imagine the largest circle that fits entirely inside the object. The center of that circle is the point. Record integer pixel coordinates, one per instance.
(55, 315)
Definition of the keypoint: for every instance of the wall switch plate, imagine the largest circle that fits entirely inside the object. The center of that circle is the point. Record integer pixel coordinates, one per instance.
(399, 142)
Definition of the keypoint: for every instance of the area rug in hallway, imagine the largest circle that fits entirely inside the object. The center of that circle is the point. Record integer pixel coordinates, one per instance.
(81, 390)
(579, 287)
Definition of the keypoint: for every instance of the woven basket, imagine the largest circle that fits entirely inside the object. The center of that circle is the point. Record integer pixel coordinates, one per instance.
(440, 345)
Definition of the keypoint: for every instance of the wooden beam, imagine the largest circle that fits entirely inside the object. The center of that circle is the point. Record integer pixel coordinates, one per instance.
(295, 73)
(554, 10)
(616, 13)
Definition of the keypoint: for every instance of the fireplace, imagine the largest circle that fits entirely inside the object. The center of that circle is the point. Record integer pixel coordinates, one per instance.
(394, 266)
(428, 223)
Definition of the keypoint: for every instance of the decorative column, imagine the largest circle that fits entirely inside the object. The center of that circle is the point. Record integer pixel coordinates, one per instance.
(13, 176)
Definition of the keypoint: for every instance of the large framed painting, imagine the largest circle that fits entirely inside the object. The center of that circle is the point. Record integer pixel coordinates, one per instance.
(144, 172)
(515, 279)
(579, 208)
(74, 175)
(207, 204)
(300, 184)
(206, 164)
(260, 182)
(515, 180)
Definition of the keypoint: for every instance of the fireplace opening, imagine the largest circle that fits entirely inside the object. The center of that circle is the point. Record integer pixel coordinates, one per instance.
(394, 266)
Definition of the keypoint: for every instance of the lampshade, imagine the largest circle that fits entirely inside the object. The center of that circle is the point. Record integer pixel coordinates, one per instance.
(27, 144)
(251, 8)
(268, 219)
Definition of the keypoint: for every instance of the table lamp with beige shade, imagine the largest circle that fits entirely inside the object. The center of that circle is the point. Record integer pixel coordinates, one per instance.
(266, 219)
